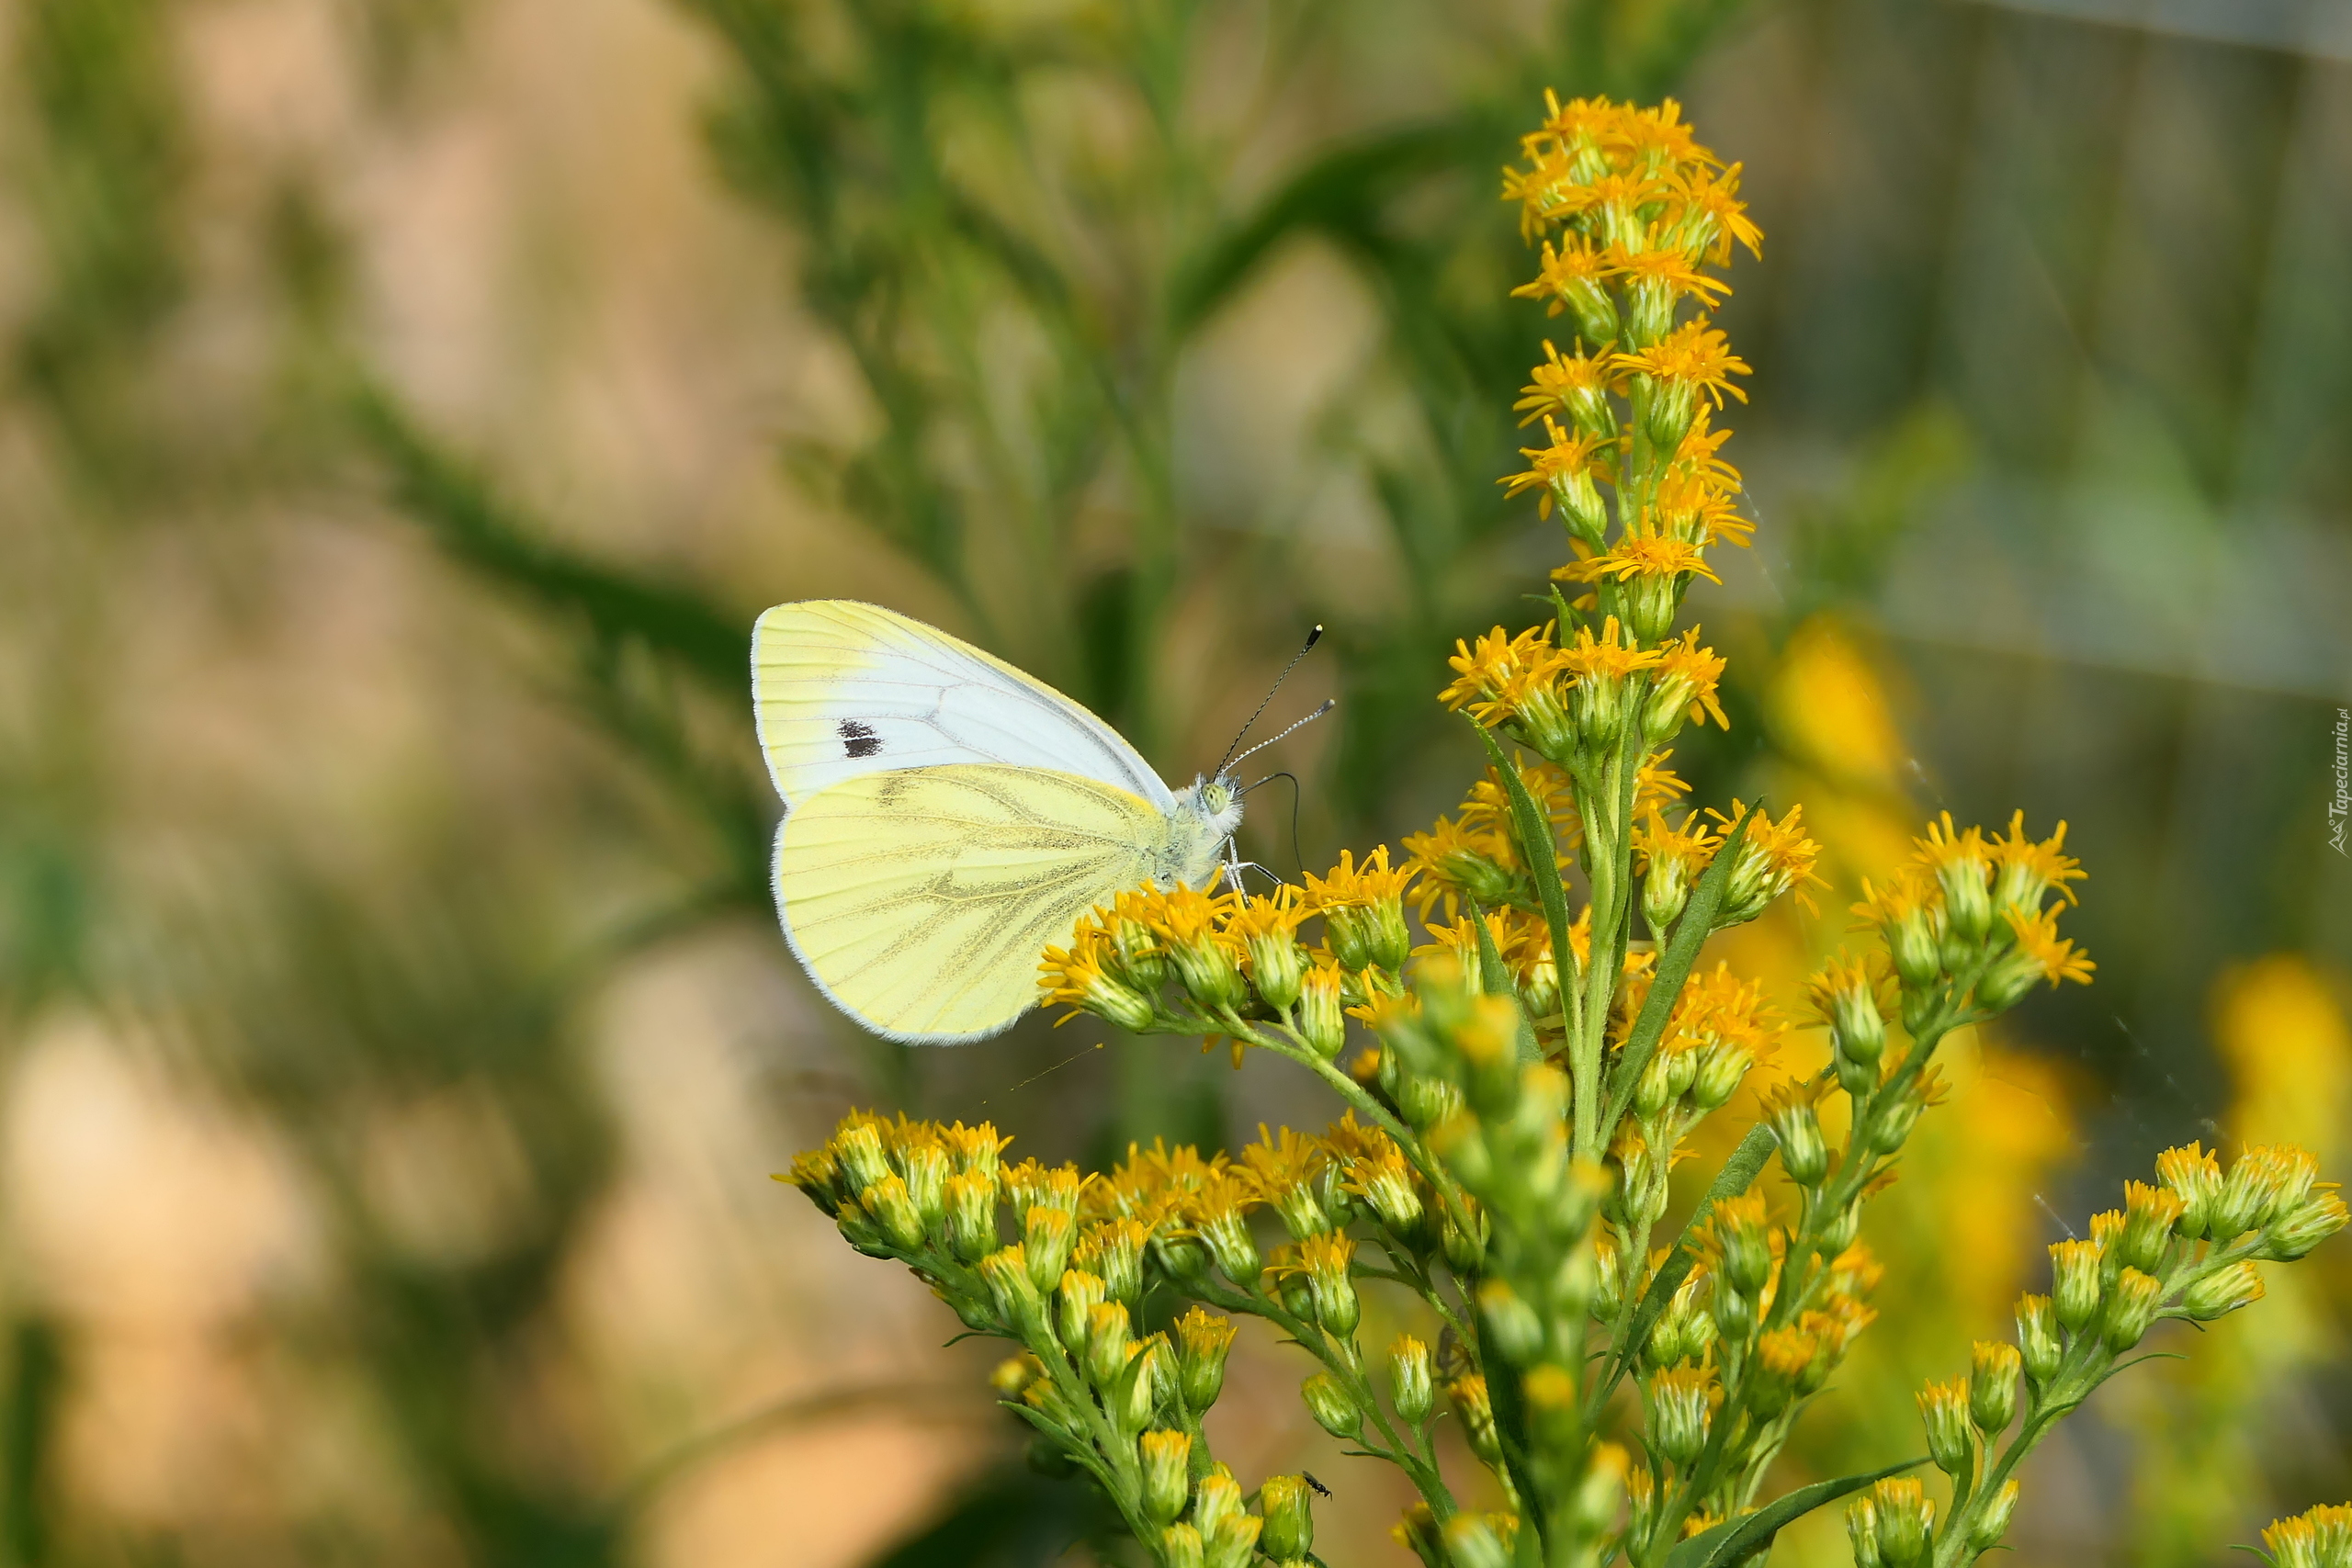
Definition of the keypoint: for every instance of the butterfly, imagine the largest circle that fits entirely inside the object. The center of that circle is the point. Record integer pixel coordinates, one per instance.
(947, 817)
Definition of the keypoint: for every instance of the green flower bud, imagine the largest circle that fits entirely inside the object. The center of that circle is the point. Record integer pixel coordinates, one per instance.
(1322, 1011)
(1227, 1234)
(1046, 1238)
(1966, 882)
(1470, 1542)
(1476, 1411)
(1166, 1459)
(1911, 941)
(1113, 1250)
(2131, 1309)
(1290, 1519)
(1805, 1154)
(1327, 1401)
(1202, 1345)
(1277, 967)
(1074, 1303)
(2074, 1282)
(1235, 1544)
(1862, 1530)
(2294, 1234)
(970, 1204)
(1681, 1411)
(1511, 1328)
(1347, 930)
(1215, 1499)
(1006, 1273)
(1390, 942)
(1664, 890)
(1720, 1071)
(1985, 1532)
(2038, 1341)
(859, 1150)
(1943, 1410)
(1907, 1517)
(1653, 1092)
(2194, 1177)
(2246, 1196)
(894, 1210)
(1465, 1250)
(2149, 1215)
(1745, 1240)
(2222, 1292)
(1180, 1547)
(1142, 1389)
(1993, 1385)
(926, 1181)
(1110, 1335)
(1411, 1381)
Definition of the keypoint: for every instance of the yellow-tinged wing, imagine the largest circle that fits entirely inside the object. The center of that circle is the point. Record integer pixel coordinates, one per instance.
(920, 900)
(841, 689)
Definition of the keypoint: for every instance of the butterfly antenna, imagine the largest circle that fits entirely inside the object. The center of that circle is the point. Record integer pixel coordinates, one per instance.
(1296, 852)
(1328, 704)
(1312, 639)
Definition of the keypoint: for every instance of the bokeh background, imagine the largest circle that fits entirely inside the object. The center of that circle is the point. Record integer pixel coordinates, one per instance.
(405, 406)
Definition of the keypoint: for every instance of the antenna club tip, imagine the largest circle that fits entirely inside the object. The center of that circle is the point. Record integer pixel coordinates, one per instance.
(1314, 637)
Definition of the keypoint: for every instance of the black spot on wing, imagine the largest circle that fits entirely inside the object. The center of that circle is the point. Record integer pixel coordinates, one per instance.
(859, 739)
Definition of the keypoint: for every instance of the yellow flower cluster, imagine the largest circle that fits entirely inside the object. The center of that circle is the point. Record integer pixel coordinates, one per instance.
(1571, 703)
(1630, 211)
(2317, 1538)
(1967, 915)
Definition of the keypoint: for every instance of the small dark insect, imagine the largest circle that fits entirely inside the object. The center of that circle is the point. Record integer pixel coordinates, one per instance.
(1308, 1476)
(859, 739)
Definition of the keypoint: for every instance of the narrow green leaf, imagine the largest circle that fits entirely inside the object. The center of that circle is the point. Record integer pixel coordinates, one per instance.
(1537, 847)
(1690, 933)
(1738, 1171)
(1737, 1540)
(1497, 982)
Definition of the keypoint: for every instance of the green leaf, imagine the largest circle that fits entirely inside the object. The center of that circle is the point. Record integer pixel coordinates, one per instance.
(1737, 1540)
(1537, 847)
(1498, 982)
(1738, 1171)
(1690, 933)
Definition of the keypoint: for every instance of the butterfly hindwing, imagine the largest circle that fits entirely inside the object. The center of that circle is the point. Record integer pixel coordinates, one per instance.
(843, 689)
(921, 900)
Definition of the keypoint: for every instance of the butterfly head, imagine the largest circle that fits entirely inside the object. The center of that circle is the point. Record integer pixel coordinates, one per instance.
(1207, 811)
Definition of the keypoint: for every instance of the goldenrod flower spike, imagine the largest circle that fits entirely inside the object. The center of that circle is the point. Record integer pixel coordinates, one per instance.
(1504, 1158)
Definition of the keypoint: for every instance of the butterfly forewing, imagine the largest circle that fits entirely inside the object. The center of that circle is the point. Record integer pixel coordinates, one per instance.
(921, 900)
(843, 689)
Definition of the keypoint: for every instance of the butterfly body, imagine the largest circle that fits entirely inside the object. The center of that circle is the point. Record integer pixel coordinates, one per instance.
(947, 817)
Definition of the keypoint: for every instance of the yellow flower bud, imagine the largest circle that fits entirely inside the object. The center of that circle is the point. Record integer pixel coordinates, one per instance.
(1985, 1532)
(2130, 1309)
(1046, 1238)
(1943, 1410)
(1410, 1380)
(2074, 1282)
(1993, 1385)
(1202, 1344)
(1289, 1534)
(2038, 1341)
(1327, 1401)
(1165, 1458)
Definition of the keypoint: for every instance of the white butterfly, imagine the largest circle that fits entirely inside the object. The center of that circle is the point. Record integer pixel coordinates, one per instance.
(946, 818)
